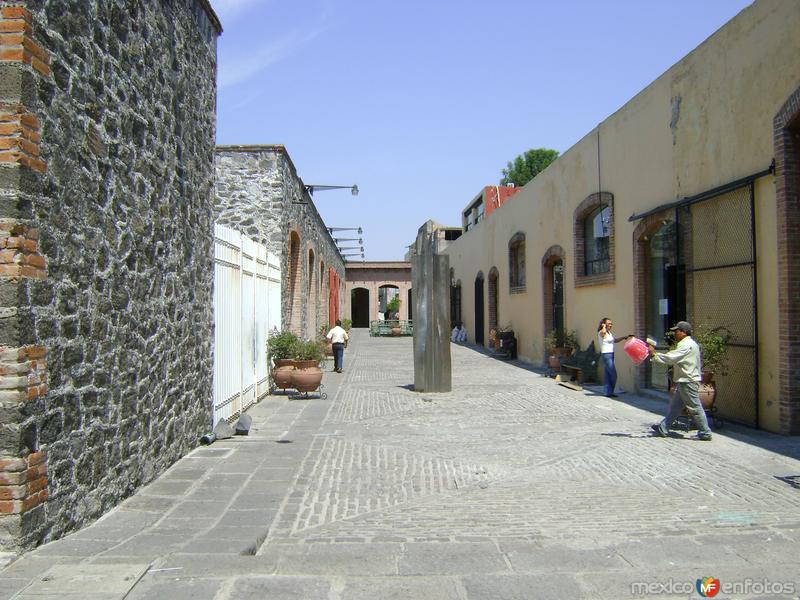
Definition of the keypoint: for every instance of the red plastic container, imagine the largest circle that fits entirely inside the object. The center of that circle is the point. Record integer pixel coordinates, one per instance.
(636, 349)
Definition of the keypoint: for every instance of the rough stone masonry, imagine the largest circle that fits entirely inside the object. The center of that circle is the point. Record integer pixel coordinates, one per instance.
(259, 193)
(107, 125)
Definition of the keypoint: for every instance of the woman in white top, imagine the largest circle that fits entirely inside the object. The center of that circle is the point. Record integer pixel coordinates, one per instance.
(607, 341)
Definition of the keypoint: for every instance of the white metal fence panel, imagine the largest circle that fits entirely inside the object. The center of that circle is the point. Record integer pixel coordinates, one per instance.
(227, 319)
(246, 307)
(248, 323)
(273, 292)
(261, 322)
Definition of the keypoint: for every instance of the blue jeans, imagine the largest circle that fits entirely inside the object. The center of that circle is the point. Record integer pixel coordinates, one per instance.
(338, 354)
(687, 395)
(610, 379)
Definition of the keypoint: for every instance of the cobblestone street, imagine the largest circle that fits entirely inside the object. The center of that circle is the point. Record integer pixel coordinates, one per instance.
(509, 487)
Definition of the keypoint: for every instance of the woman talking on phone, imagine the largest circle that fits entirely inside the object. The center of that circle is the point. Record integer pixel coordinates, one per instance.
(607, 341)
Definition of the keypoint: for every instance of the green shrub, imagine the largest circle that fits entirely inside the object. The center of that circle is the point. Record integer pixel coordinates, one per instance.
(282, 345)
(347, 324)
(309, 350)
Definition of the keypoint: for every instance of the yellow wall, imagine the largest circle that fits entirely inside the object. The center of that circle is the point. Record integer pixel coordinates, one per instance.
(705, 122)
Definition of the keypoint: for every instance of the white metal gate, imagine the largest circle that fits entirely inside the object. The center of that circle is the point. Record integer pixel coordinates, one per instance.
(247, 295)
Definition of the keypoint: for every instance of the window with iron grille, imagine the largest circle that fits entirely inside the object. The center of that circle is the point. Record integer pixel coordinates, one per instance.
(596, 234)
(593, 231)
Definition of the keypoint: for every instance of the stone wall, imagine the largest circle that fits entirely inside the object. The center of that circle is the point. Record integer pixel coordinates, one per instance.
(259, 193)
(107, 125)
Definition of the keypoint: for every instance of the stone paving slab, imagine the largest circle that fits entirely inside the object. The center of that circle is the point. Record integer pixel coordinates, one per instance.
(510, 486)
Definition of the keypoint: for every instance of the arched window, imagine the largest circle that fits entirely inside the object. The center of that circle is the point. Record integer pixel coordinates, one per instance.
(594, 240)
(516, 263)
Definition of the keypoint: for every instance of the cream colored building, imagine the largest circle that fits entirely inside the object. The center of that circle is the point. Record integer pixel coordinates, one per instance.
(682, 204)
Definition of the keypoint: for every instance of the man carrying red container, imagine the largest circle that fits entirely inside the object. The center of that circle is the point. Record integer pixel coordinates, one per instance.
(686, 366)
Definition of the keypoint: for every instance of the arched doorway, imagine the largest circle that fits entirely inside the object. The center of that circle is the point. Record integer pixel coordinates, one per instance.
(359, 307)
(493, 308)
(386, 294)
(659, 302)
(293, 316)
(455, 299)
(479, 309)
(311, 321)
(553, 291)
(321, 296)
(410, 306)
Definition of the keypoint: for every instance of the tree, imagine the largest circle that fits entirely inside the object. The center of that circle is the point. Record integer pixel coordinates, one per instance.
(527, 166)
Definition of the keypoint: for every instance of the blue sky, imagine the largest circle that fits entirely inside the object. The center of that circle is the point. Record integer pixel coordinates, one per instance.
(422, 103)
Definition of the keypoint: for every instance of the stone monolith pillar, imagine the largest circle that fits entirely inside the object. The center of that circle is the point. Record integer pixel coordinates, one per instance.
(430, 273)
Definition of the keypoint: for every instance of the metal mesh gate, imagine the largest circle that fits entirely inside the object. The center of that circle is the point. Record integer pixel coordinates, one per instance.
(717, 241)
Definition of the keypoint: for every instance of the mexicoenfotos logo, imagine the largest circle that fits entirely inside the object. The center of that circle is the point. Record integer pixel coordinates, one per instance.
(708, 587)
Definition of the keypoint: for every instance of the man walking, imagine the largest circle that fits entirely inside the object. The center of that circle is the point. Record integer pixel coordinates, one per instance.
(686, 366)
(338, 338)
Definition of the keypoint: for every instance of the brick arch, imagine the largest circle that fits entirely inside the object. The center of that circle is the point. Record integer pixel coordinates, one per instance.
(294, 304)
(582, 211)
(786, 131)
(552, 256)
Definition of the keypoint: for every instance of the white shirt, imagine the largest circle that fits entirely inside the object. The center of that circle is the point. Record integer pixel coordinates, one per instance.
(606, 343)
(337, 335)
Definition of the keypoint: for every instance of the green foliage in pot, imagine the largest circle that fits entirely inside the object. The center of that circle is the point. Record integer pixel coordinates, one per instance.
(393, 306)
(347, 324)
(562, 339)
(713, 344)
(281, 345)
(309, 350)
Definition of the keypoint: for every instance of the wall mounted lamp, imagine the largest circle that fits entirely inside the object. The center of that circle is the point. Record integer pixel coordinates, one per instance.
(312, 188)
(358, 229)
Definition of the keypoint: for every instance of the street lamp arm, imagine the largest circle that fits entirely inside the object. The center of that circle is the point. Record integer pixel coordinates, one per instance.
(313, 187)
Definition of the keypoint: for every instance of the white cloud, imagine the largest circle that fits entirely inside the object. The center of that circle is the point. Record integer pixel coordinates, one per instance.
(241, 69)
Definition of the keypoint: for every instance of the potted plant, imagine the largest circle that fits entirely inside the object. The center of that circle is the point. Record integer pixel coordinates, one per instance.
(307, 375)
(713, 344)
(393, 309)
(560, 344)
(281, 349)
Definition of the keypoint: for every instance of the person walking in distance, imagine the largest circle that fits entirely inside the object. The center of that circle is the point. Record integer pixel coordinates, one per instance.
(607, 341)
(338, 338)
(686, 373)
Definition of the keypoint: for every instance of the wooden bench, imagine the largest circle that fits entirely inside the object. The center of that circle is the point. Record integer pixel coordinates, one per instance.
(580, 367)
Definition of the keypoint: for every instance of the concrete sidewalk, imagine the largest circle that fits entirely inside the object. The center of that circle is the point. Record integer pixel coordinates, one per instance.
(509, 487)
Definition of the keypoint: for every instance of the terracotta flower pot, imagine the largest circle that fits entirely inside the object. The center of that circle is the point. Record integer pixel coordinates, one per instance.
(307, 378)
(282, 373)
(396, 331)
(708, 394)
